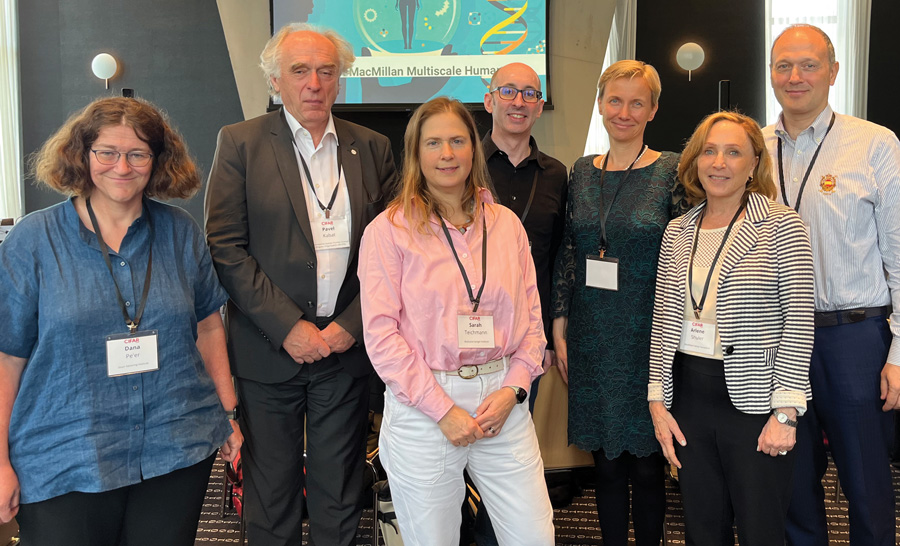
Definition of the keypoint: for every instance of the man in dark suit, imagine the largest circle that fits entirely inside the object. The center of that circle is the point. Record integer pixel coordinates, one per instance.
(289, 196)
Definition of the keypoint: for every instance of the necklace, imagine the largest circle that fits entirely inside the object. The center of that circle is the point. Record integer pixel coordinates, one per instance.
(637, 159)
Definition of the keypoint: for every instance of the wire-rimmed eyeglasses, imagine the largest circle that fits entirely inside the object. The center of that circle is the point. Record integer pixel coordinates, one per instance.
(111, 157)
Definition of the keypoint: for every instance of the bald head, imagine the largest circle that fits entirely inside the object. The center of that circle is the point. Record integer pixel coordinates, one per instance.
(803, 29)
(519, 71)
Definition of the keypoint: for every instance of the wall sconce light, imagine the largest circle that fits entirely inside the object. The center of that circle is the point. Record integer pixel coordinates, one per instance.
(104, 66)
(689, 57)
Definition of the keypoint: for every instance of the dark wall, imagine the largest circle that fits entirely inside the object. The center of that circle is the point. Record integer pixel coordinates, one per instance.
(732, 35)
(171, 52)
(884, 65)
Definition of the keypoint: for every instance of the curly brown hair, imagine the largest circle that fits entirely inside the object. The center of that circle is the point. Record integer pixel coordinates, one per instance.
(762, 181)
(63, 162)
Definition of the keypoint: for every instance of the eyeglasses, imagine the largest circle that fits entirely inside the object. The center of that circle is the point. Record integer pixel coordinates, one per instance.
(509, 93)
(110, 157)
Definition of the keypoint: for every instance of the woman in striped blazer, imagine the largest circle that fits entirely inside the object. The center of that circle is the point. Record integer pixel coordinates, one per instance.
(731, 338)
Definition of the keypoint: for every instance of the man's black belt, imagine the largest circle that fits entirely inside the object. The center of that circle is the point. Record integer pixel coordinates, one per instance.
(847, 316)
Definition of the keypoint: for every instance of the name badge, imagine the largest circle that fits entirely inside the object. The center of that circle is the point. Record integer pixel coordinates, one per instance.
(475, 331)
(128, 354)
(330, 233)
(698, 337)
(602, 273)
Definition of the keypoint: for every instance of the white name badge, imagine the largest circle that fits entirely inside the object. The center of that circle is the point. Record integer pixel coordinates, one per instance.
(602, 273)
(475, 331)
(127, 354)
(698, 337)
(330, 233)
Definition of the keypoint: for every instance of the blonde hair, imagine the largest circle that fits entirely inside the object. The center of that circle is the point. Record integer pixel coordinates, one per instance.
(631, 69)
(761, 182)
(63, 162)
(414, 197)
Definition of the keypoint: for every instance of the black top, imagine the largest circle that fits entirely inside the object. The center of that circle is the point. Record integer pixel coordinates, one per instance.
(546, 216)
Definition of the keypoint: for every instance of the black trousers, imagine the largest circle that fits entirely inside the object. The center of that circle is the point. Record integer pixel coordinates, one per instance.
(161, 510)
(724, 480)
(648, 497)
(332, 406)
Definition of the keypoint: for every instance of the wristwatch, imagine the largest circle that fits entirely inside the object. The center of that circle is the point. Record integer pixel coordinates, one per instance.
(784, 419)
(234, 414)
(521, 394)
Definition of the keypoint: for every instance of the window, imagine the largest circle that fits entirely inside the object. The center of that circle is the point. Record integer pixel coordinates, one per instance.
(11, 174)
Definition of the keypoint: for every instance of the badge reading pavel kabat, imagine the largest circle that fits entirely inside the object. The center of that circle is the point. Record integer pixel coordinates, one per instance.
(828, 184)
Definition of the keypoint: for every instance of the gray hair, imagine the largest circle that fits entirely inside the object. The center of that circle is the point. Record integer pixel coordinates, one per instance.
(270, 58)
(832, 58)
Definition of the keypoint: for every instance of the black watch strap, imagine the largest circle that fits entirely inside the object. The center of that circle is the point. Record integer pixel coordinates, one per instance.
(234, 414)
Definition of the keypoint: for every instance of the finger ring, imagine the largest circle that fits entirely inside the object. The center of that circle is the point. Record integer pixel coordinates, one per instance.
(491, 429)
(782, 452)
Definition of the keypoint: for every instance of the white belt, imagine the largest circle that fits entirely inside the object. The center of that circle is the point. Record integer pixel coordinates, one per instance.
(473, 370)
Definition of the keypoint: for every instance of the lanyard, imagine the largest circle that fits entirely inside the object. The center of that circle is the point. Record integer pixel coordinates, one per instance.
(531, 196)
(604, 211)
(699, 307)
(808, 169)
(476, 300)
(312, 188)
(132, 324)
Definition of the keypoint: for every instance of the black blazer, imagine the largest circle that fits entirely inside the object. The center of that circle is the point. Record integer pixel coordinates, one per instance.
(259, 235)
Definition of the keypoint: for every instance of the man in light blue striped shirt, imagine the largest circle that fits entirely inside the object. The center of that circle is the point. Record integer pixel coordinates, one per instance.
(842, 174)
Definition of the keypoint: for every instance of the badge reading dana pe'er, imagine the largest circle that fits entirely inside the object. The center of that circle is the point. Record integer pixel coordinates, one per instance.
(828, 184)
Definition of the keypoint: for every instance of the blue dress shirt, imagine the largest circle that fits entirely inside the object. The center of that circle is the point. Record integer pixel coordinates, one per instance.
(74, 428)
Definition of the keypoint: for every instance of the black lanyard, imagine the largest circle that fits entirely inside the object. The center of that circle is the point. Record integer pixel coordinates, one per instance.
(132, 324)
(604, 211)
(476, 300)
(312, 187)
(808, 169)
(699, 307)
(531, 196)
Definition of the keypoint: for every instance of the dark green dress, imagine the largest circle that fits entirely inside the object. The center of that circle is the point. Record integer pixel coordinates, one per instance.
(609, 331)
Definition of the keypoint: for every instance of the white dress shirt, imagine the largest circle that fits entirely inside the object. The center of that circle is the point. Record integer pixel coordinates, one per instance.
(331, 264)
(851, 207)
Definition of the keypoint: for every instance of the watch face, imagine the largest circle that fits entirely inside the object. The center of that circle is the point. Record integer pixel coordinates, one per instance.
(521, 395)
(781, 417)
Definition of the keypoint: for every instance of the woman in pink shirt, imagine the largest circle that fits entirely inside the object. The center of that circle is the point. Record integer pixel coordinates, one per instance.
(452, 324)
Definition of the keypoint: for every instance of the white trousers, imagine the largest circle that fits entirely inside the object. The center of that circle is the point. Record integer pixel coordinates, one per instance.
(425, 471)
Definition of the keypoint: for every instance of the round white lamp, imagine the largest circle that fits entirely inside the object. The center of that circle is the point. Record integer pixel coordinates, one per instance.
(104, 66)
(689, 57)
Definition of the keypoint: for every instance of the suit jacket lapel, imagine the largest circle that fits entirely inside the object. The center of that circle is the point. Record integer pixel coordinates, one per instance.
(350, 162)
(286, 160)
(747, 235)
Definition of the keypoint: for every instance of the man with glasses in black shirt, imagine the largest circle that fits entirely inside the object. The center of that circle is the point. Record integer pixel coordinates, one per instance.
(530, 183)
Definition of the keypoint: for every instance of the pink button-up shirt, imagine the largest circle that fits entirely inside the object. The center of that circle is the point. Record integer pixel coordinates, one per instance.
(412, 291)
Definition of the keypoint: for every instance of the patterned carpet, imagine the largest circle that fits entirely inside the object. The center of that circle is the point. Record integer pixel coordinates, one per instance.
(575, 525)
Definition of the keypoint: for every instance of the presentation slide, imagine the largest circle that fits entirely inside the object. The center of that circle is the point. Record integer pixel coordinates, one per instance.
(408, 51)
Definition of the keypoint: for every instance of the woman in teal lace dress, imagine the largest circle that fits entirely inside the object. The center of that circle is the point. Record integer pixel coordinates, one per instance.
(618, 208)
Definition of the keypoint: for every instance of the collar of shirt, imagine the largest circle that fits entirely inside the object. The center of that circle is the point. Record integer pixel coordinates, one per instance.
(818, 126)
(486, 197)
(303, 138)
(490, 149)
(89, 238)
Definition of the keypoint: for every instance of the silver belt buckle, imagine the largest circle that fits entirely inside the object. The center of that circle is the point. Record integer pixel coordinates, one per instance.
(468, 372)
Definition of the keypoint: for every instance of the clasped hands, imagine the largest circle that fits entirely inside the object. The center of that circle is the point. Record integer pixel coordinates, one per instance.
(462, 429)
(307, 344)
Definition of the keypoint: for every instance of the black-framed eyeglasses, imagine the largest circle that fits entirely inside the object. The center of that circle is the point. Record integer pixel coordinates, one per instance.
(509, 93)
(111, 157)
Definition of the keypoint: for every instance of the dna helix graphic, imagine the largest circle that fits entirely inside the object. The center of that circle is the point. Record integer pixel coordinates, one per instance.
(508, 34)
